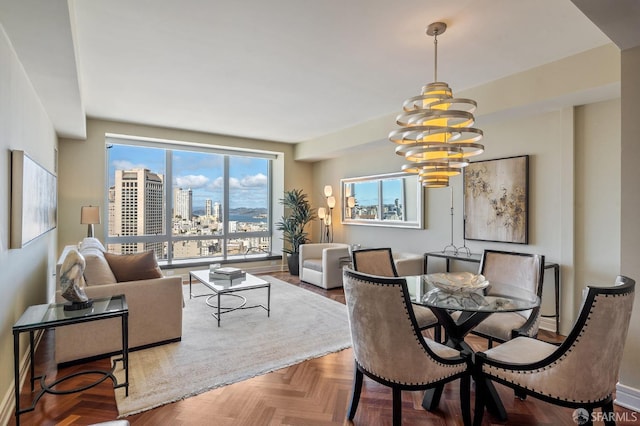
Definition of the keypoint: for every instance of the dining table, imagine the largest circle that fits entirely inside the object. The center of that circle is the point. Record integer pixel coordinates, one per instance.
(460, 308)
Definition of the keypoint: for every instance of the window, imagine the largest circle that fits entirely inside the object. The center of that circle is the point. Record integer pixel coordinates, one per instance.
(188, 203)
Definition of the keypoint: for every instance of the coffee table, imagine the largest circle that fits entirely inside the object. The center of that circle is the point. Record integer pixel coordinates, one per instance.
(229, 288)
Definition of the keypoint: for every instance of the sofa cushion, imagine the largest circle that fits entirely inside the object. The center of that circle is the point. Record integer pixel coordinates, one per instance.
(313, 264)
(135, 266)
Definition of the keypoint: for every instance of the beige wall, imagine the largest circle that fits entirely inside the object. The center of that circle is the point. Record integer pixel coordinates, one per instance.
(27, 273)
(630, 200)
(82, 169)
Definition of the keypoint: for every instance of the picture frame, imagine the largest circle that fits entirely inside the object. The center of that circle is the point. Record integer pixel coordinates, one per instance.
(33, 200)
(496, 200)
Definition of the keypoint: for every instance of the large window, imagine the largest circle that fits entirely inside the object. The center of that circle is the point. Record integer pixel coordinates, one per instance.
(188, 203)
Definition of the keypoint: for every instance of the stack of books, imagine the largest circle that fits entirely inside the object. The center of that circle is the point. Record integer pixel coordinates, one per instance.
(226, 274)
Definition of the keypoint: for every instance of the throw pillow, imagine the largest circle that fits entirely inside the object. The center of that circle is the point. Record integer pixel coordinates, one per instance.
(97, 270)
(135, 266)
(91, 243)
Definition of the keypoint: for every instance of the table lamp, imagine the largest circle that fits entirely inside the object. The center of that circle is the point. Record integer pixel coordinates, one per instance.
(89, 215)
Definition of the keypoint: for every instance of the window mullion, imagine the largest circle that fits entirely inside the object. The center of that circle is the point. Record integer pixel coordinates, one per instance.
(168, 202)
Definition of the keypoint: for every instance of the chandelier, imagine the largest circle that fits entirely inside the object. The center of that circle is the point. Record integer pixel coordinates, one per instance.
(436, 137)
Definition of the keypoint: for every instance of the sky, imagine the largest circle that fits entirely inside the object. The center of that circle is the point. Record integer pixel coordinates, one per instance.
(366, 193)
(202, 172)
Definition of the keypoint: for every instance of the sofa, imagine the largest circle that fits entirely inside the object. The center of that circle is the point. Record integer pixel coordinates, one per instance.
(321, 263)
(155, 304)
(408, 264)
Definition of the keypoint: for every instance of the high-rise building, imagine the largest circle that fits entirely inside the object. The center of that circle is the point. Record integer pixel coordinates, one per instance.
(216, 212)
(182, 203)
(208, 208)
(138, 208)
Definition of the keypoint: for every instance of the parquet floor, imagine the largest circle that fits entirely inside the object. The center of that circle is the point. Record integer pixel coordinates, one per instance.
(315, 392)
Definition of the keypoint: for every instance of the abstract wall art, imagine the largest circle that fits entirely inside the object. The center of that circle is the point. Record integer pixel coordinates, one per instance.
(33, 200)
(496, 200)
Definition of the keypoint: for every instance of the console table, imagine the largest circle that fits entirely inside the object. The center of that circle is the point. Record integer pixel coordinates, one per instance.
(477, 258)
(52, 315)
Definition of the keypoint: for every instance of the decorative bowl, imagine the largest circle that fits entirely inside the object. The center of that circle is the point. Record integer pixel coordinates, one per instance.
(457, 282)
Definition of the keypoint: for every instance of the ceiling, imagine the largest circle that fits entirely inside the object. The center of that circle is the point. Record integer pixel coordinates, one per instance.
(280, 70)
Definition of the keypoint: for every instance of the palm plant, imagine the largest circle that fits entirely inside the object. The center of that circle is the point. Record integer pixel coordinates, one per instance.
(298, 213)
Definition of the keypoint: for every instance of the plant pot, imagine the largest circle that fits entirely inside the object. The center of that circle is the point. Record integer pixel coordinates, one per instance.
(293, 261)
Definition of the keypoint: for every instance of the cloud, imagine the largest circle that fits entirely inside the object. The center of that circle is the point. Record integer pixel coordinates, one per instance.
(258, 180)
(218, 183)
(127, 165)
(192, 181)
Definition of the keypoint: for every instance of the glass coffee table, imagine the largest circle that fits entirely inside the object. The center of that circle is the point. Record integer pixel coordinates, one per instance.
(229, 288)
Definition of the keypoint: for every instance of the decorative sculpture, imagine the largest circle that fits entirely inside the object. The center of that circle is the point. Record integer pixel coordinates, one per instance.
(72, 282)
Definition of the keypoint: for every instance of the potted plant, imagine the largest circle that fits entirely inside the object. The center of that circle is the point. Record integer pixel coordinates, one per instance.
(298, 213)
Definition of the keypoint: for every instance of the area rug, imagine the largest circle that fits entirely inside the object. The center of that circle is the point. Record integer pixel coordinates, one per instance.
(302, 325)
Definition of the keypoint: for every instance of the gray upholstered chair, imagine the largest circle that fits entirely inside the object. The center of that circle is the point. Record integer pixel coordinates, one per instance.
(379, 261)
(389, 348)
(521, 270)
(580, 373)
(321, 263)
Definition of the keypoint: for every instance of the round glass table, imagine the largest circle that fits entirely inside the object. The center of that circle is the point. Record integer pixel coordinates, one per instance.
(460, 310)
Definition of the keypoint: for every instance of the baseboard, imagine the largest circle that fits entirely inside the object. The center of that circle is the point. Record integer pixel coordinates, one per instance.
(8, 403)
(264, 269)
(548, 324)
(627, 397)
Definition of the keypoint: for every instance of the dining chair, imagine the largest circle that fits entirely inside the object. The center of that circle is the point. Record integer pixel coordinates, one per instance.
(379, 261)
(389, 348)
(580, 373)
(522, 270)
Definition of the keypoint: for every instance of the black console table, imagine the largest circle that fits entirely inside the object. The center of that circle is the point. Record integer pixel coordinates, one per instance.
(51, 315)
(476, 258)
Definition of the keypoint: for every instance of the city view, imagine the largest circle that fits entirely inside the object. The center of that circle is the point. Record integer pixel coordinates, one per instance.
(139, 201)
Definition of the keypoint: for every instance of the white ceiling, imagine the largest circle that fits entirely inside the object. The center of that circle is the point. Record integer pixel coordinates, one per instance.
(282, 70)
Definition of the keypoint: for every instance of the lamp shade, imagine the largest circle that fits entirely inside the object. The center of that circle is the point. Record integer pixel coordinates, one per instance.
(351, 202)
(328, 190)
(89, 215)
(321, 212)
(331, 202)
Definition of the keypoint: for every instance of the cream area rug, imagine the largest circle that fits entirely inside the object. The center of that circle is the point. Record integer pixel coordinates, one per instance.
(303, 325)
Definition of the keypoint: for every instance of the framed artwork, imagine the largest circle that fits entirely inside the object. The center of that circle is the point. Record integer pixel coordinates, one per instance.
(33, 200)
(496, 200)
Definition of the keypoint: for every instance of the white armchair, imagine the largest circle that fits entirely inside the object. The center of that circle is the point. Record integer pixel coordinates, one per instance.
(321, 263)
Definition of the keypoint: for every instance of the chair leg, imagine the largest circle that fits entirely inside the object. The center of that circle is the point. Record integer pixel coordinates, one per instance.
(609, 414)
(489, 343)
(355, 396)
(397, 406)
(520, 394)
(590, 421)
(478, 412)
(465, 404)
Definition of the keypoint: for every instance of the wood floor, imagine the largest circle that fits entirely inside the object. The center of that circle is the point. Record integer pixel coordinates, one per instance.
(315, 392)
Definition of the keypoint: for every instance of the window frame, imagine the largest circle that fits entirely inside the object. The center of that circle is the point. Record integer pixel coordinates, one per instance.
(169, 147)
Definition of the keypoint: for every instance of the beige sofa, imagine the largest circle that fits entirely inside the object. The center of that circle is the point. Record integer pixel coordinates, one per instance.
(408, 264)
(155, 310)
(321, 263)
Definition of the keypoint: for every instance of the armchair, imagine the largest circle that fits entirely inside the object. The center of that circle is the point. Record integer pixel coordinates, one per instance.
(321, 263)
